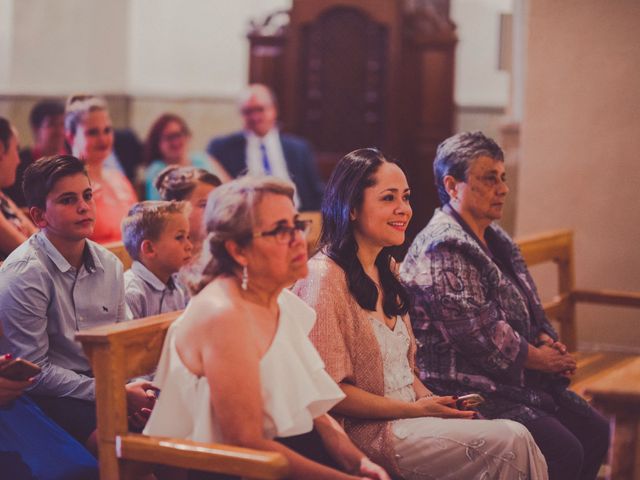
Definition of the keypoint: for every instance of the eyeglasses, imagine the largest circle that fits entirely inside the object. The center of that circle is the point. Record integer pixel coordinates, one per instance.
(250, 110)
(169, 137)
(284, 233)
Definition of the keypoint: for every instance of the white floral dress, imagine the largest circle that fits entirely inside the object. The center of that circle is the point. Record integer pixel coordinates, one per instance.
(438, 448)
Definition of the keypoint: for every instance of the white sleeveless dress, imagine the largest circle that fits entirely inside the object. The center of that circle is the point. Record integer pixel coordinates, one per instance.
(295, 386)
(430, 448)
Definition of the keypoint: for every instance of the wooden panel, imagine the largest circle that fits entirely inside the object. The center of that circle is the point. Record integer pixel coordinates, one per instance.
(117, 248)
(343, 78)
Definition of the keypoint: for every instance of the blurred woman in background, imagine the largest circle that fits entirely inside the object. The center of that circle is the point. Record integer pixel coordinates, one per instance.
(89, 132)
(168, 144)
(15, 227)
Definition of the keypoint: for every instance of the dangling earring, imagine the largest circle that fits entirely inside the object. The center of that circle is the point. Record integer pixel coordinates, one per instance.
(245, 278)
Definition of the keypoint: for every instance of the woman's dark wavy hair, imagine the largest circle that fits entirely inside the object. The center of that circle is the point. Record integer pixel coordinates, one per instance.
(6, 131)
(152, 143)
(344, 193)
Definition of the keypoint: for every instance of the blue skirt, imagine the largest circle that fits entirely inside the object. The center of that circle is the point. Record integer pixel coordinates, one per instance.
(32, 446)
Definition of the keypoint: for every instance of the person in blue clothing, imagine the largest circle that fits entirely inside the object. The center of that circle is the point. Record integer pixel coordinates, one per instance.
(168, 144)
(32, 446)
(261, 149)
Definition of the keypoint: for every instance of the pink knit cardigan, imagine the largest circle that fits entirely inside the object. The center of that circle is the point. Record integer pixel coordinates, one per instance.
(345, 339)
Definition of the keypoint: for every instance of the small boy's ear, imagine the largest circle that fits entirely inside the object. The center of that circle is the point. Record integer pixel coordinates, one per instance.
(37, 215)
(146, 247)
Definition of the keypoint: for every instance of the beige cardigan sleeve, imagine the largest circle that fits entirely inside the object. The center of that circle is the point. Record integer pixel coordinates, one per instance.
(325, 290)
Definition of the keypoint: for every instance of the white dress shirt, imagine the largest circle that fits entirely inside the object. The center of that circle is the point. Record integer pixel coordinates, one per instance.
(277, 162)
(146, 295)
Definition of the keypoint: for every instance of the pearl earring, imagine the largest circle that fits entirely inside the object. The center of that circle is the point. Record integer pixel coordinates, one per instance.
(245, 278)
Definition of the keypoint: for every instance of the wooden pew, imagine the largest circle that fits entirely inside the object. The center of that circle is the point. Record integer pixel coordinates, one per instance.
(117, 248)
(557, 247)
(610, 380)
(130, 349)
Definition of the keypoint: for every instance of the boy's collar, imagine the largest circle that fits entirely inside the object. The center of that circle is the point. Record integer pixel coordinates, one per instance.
(90, 260)
(148, 276)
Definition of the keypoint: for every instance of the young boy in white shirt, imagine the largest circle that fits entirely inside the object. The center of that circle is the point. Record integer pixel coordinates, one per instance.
(57, 283)
(156, 236)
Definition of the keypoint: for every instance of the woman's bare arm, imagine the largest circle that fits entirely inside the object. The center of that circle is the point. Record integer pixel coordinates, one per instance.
(343, 450)
(231, 365)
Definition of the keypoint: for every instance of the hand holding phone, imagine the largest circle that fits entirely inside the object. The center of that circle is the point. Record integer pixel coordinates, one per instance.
(469, 402)
(19, 369)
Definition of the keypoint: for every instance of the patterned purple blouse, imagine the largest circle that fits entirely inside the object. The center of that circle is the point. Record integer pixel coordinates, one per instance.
(475, 310)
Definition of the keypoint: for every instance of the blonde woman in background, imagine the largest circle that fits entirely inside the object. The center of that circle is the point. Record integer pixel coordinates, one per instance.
(89, 132)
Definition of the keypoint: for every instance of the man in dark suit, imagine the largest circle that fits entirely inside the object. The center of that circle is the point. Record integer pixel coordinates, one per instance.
(262, 150)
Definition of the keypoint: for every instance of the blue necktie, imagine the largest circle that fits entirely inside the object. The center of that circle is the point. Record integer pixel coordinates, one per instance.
(265, 160)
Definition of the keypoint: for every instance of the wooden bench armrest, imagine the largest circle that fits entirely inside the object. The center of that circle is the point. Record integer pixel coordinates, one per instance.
(542, 247)
(210, 457)
(125, 331)
(608, 297)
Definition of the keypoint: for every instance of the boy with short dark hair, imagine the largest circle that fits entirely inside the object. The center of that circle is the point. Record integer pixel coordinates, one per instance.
(57, 283)
(156, 235)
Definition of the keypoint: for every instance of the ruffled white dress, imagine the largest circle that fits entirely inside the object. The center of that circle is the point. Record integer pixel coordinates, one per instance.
(430, 448)
(295, 386)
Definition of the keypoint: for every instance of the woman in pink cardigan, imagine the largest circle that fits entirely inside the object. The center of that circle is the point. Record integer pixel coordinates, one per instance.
(364, 337)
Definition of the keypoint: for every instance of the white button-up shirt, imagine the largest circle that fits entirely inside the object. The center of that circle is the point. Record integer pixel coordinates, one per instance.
(273, 147)
(145, 294)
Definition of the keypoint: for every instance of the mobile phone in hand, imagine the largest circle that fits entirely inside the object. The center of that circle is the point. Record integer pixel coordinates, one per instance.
(469, 402)
(19, 369)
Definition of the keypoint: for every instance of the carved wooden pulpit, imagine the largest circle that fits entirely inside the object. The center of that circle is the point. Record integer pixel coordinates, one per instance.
(361, 73)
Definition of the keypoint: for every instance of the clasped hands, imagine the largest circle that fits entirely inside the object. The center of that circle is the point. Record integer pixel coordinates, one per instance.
(555, 356)
(141, 397)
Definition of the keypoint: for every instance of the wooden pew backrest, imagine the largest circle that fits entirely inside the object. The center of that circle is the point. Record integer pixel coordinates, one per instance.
(117, 248)
(125, 350)
(556, 247)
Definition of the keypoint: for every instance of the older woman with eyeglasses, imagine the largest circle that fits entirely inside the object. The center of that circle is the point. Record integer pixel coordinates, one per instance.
(238, 366)
(478, 319)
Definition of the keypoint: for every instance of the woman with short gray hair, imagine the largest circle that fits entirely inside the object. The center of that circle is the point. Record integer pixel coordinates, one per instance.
(478, 319)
